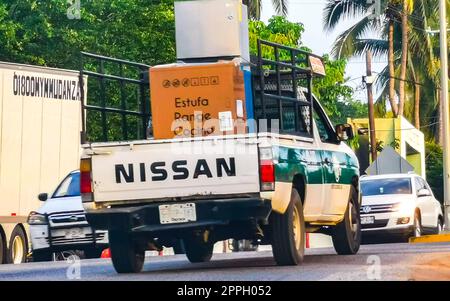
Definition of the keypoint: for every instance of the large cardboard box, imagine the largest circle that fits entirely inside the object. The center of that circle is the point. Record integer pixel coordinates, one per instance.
(190, 100)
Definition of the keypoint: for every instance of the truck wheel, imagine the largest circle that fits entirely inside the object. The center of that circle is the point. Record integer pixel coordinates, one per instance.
(288, 233)
(198, 250)
(125, 254)
(42, 255)
(18, 248)
(347, 234)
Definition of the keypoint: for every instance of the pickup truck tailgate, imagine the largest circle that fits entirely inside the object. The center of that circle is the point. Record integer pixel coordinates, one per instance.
(163, 170)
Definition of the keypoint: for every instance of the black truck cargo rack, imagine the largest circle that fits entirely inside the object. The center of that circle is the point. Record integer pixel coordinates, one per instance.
(282, 88)
(123, 115)
(118, 105)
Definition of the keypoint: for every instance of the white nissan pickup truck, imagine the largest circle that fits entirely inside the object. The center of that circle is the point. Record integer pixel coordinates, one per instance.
(267, 187)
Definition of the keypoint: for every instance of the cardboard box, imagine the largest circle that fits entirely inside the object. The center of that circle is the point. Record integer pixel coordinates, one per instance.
(191, 100)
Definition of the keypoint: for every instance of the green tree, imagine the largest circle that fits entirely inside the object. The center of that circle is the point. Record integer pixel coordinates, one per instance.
(39, 32)
(421, 77)
(255, 7)
(331, 90)
(434, 169)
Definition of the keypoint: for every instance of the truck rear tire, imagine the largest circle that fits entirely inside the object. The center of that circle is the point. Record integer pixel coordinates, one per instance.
(198, 250)
(288, 233)
(126, 256)
(347, 234)
(42, 255)
(18, 248)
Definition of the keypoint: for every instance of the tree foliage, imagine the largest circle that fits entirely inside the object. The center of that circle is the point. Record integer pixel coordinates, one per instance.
(434, 168)
(331, 90)
(40, 32)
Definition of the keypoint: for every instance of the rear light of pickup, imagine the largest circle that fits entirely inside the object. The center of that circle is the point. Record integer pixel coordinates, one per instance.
(86, 180)
(266, 169)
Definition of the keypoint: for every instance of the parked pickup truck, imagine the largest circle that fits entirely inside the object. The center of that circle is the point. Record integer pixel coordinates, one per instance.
(267, 187)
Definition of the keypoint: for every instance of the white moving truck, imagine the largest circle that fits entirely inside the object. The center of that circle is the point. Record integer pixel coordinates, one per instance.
(40, 128)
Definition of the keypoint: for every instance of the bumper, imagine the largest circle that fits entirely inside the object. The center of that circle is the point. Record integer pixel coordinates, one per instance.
(56, 239)
(145, 218)
(400, 230)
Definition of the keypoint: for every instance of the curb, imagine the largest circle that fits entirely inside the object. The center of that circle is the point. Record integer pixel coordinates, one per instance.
(430, 238)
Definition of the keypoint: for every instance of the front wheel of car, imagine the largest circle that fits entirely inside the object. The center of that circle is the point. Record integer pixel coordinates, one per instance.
(126, 255)
(346, 235)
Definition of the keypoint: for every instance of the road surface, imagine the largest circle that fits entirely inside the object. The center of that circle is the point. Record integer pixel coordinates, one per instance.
(373, 262)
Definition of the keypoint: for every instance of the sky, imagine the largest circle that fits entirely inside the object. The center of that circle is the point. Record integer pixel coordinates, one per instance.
(310, 12)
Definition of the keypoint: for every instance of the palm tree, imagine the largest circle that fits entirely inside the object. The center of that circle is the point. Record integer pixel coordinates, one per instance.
(407, 7)
(415, 47)
(255, 7)
(352, 42)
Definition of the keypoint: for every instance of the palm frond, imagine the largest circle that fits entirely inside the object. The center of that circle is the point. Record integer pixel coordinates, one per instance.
(344, 46)
(376, 46)
(336, 11)
(280, 6)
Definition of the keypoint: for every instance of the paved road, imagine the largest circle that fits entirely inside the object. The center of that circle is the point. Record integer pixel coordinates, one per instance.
(373, 262)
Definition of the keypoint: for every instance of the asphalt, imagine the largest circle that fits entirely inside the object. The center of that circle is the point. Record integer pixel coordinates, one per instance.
(373, 262)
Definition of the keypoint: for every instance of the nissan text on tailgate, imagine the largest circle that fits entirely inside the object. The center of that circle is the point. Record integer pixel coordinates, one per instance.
(265, 164)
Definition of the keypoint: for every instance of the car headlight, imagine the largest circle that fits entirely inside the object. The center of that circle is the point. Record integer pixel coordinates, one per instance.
(37, 219)
(404, 208)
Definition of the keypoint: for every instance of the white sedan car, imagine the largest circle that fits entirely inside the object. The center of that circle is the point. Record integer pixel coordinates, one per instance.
(400, 204)
(60, 224)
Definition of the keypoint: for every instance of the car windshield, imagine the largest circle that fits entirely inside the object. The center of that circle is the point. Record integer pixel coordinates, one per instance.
(386, 186)
(69, 187)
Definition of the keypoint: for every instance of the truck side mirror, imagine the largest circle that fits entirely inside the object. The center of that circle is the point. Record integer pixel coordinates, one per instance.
(43, 197)
(344, 132)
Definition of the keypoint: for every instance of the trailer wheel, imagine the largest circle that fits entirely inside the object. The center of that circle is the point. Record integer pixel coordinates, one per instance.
(18, 248)
(2, 247)
(346, 235)
(288, 233)
(197, 250)
(42, 255)
(126, 256)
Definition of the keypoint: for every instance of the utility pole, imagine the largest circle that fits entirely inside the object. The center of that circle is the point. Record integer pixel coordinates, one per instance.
(445, 109)
(369, 82)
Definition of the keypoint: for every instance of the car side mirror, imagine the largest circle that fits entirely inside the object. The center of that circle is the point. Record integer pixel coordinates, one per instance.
(43, 197)
(423, 192)
(344, 132)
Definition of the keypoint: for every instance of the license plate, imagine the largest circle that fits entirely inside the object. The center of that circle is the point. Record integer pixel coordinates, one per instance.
(367, 220)
(75, 233)
(177, 213)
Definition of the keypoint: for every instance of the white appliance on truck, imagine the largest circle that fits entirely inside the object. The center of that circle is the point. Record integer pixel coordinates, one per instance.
(40, 127)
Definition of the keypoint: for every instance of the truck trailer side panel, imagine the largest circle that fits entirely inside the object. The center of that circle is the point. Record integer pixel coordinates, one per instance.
(40, 124)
